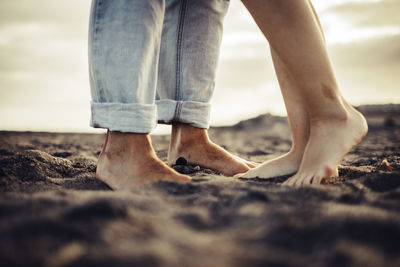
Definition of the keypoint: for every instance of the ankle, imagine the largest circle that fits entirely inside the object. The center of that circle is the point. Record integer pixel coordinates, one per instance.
(184, 134)
(127, 142)
(339, 114)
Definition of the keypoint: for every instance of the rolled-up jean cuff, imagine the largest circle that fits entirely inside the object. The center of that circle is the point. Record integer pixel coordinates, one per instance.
(193, 113)
(121, 117)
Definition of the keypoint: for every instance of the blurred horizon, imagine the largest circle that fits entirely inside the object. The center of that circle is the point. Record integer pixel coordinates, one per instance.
(44, 83)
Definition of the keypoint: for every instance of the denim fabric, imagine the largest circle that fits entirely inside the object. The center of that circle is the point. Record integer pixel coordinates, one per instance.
(153, 60)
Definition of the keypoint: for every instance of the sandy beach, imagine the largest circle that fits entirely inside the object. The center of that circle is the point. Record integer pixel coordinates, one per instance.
(53, 212)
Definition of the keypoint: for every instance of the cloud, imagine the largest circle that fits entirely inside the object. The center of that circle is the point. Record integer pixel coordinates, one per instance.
(369, 14)
(42, 47)
(368, 70)
(236, 73)
(376, 52)
(43, 66)
(64, 14)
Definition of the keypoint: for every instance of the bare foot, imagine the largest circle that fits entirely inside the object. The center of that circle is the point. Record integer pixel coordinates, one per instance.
(330, 141)
(194, 145)
(286, 164)
(128, 160)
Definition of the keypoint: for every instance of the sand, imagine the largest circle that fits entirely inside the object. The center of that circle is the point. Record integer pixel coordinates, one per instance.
(53, 212)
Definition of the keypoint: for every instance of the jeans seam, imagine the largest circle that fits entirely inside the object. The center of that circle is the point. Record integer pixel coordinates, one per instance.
(178, 109)
(95, 42)
(182, 13)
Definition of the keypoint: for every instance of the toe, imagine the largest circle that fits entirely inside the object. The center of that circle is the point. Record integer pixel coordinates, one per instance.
(302, 181)
(249, 174)
(291, 181)
(184, 179)
(316, 179)
(241, 169)
(251, 164)
(328, 172)
(309, 179)
(335, 172)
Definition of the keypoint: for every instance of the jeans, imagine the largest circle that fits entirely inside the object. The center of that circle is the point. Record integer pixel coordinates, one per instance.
(153, 60)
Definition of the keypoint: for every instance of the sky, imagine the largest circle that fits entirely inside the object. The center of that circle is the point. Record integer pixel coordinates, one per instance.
(44, 83)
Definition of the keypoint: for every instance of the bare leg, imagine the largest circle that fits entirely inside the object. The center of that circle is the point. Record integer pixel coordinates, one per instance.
(299, 123)
(298, 119)
(128, 160)
(194, 145)
(335, 126)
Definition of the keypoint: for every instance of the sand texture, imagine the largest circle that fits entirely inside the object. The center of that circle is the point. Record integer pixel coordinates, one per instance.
(53, 212)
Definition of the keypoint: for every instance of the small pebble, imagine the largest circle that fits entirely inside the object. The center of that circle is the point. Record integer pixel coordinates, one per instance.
(197, 168)
(183, 169)
(181, 161)
(385, 166)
